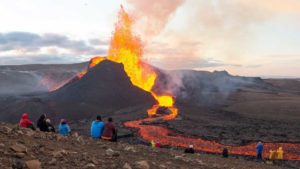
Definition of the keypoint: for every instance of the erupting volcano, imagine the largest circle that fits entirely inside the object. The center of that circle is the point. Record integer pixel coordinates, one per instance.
(127, 48)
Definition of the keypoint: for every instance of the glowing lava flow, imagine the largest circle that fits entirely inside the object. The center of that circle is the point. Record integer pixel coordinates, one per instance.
(166, 137)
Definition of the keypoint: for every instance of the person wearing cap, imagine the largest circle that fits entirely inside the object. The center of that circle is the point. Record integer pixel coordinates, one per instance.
(97, 128)
(64, 128)
(25, 122)
(190, 149)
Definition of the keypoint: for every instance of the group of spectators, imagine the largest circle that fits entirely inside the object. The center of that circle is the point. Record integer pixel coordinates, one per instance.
(99, 129)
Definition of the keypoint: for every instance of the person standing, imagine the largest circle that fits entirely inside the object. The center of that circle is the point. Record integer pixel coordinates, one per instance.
(259, 150)
(97, 128)
(225, 152)
(280, 153)
(110, 131)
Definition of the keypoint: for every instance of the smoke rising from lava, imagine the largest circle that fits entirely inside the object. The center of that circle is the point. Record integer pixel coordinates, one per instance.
(153, 16)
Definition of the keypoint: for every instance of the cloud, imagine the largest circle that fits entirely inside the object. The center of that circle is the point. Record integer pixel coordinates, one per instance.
(39, 59)
(29, 47)
(98, 42)
(228, 31)
(30, 42)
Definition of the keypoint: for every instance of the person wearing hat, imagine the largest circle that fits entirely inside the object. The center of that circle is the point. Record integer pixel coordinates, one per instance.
(190, 149)
(64, 128)
(25, 122)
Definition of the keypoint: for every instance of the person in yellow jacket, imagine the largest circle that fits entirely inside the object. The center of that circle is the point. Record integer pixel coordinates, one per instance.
(280, 153)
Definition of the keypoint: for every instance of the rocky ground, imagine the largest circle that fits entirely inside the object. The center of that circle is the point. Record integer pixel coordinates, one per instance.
(24, 148)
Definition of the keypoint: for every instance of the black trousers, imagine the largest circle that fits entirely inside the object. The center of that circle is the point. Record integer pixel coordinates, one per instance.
(259, 156)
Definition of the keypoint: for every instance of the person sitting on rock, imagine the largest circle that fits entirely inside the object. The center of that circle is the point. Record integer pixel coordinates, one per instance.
(110, 131)
(259, 150)
(41, 123)
(64, 128)
(97, 128)
(25, 122)
(190, 149)
(50, 127)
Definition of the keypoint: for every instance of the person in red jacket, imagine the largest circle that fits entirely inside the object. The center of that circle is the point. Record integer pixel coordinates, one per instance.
(25, 122)
(109, 131)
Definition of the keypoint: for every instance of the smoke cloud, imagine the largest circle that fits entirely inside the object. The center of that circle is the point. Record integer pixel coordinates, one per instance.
(153, 16)
(227, 31)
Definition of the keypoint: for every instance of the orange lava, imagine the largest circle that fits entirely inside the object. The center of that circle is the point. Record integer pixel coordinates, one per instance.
(166, 137)
(94, 61)
(81, 74)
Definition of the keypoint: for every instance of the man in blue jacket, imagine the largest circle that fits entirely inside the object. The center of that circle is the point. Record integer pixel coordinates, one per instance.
(259, 150)
(97, 128)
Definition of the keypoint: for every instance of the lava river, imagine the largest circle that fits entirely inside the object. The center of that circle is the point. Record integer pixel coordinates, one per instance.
(166, 137)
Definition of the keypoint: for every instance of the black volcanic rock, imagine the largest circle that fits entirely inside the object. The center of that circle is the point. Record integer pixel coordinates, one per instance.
(106, 85)
(103, 90)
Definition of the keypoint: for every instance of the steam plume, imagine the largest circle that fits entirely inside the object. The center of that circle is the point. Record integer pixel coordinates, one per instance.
(154, 15)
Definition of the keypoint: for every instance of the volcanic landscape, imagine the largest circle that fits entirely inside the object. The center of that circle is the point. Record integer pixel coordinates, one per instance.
(174, 107)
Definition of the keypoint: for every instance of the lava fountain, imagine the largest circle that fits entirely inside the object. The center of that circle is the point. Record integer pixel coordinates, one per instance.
(127, 48)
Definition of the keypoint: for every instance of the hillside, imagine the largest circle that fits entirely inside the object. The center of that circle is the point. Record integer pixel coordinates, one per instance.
(26, 79)
(24, 148)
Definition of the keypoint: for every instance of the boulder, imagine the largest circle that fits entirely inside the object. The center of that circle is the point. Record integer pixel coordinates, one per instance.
(127, 166)
(17, 164)
(33, 164)
(89, 166)
(5, 129)
(111, 152)
(52, 162)
(142, 164)
(58, 154)
(19, 148)
(130, 148)
(20, 155)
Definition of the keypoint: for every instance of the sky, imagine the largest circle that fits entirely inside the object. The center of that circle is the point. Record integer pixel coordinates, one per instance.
(244, 37)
